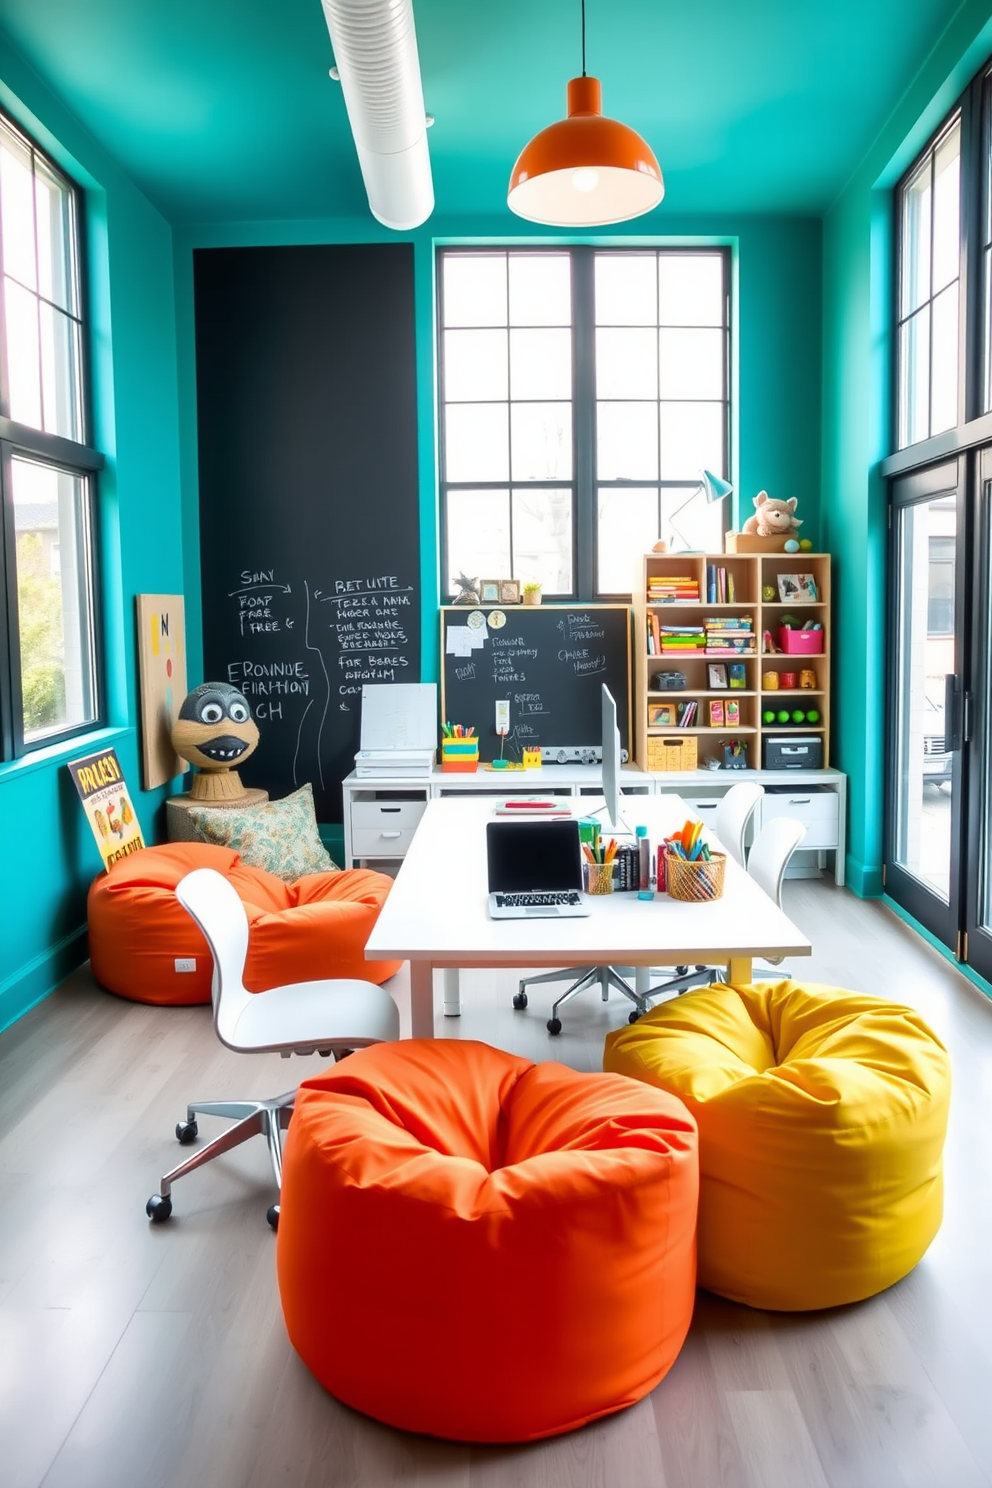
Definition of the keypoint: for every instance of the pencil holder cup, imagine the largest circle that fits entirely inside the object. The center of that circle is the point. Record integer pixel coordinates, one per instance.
(460, 754)
(597, 878)
(695, 882)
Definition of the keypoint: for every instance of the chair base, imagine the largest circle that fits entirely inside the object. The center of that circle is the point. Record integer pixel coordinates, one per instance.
(268, 1118)
(607, 977)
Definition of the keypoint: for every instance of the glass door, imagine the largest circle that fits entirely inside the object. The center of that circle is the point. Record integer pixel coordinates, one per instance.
(977, 941)
(926, 698)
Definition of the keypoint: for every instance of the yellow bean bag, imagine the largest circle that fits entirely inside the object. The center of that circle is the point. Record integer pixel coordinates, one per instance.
(821, 1116)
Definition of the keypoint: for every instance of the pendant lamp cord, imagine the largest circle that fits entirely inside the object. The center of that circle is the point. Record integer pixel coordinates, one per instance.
(583, 38)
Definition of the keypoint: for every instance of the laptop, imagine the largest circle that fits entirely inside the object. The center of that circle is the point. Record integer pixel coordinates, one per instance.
(535, 869)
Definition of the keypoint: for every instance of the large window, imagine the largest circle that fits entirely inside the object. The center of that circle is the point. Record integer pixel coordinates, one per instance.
(48, 650)
(583, 392)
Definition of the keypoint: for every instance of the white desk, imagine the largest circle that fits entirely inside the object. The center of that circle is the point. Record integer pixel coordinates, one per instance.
(436, 914)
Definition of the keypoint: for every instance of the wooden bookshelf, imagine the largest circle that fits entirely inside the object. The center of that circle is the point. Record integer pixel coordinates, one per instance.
(745, 576)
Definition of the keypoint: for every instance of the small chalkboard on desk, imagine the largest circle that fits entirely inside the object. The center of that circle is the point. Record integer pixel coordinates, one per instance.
(549, 662)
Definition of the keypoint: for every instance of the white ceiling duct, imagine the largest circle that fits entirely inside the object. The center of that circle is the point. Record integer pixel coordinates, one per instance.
(375, 52)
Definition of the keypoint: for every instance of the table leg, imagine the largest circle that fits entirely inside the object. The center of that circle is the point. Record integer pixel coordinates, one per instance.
(642, 980)
(422, 998)
(452, 992)
(739, 971)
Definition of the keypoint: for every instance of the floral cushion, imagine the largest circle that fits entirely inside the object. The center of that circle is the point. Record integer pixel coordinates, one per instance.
(280, 836)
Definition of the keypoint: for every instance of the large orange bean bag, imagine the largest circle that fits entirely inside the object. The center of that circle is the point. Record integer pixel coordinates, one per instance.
(481, 1248)
(822, 1116)
(304, 931)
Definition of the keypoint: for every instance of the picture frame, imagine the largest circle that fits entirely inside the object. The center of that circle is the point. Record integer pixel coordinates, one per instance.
(797, 588)
(509, 591)
(489, 591)
(717, 675)
(662, 715)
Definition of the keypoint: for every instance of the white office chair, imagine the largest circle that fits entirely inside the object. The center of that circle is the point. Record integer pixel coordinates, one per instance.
(329, 1017)
(767, 861)
(732, 814)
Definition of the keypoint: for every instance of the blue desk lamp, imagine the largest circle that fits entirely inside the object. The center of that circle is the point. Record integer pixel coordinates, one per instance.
(713, 488)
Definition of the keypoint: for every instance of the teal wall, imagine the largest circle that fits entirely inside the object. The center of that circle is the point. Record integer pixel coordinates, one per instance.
(857, 357)
(49, 857)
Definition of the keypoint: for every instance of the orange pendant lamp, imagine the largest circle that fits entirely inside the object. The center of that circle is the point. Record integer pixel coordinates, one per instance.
(586, 170)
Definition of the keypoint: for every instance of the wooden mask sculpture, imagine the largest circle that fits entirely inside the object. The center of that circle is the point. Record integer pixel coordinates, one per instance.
(214, 731)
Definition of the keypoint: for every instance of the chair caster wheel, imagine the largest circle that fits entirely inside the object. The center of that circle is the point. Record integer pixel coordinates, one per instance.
(554, 1025)
(520, 1001)
(186, 1132)
(272, 1215)
(158, 1208)
(701, 966)
(681, 971)
(633, 1017)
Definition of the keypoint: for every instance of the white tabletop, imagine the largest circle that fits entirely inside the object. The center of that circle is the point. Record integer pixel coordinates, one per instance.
(437, 910)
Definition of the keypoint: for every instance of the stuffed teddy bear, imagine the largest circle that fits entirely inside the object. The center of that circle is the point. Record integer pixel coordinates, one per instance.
(772, 518)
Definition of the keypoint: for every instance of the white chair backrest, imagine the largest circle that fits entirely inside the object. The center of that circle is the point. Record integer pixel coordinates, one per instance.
(770, 852)
(214, 904)
(733, 814)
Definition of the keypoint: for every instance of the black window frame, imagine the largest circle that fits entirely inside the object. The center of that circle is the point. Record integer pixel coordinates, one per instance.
(78, 459)
(584, 485)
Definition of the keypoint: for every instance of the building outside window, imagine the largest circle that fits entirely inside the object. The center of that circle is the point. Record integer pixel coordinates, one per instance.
(48, 659)
(583, 392)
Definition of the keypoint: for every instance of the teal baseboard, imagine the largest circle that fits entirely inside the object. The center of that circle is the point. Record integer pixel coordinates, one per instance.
(32, 983)
(863, 879)
(938, 945)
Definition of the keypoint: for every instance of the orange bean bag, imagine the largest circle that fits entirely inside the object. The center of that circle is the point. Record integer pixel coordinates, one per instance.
(485, 1249)
(316, 927)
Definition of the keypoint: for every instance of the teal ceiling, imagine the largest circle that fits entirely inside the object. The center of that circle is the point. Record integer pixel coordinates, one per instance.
(223, 109)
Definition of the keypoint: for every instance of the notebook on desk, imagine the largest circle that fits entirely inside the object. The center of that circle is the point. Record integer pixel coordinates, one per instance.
(535, 869)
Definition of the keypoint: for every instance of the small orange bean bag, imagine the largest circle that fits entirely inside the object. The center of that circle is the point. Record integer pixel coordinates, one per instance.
(314, 928)
(481, 1248)
(822, 1116)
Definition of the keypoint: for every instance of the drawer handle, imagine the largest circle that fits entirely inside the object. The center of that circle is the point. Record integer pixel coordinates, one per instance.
(390, 834)
(394, 809)
(799, 800)
(706, 805)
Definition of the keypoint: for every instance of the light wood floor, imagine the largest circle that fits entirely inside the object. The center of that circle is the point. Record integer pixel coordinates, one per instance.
(138, 1355)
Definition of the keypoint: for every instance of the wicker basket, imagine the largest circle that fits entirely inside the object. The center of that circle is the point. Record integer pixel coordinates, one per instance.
(695, 882)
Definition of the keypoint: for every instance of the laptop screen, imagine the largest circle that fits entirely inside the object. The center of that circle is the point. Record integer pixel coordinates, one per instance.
(533, 856)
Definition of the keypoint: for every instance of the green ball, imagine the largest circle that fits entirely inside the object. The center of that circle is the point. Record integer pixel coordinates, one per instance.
(798, 716)
(783, 715)
(812, 715)
(768, 716)
(806, 544)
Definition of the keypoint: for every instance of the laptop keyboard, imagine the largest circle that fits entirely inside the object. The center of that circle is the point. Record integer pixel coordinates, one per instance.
(542, 901)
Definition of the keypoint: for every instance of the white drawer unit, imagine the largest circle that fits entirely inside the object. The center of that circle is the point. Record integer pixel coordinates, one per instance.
(816, 809)
(389, 842)
(387, 814)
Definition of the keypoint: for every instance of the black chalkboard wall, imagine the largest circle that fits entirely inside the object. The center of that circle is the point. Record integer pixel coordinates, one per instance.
(550, 662)
(309, 521)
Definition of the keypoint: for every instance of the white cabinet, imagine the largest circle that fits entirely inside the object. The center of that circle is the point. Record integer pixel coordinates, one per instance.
(818, 810)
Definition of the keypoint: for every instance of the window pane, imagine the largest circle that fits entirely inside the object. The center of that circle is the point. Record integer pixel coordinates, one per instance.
(54, 603)
(474, 365)
(540, 289)
(478, 535)
(542, 441)
(59, 360)
(542, 538)
(946, 215)
(17, 211)
(628, 526)
(691, 439)
(691, 364)
(690, 289)
(23, 359)
(627, 363)
(690, 521)
(627, 441)
(540, 364)
(987, 280)
(914, 378)
(56, 240)
(626, 289)
(476, 445)
(915, 244)
(944, 395)
(474, 289)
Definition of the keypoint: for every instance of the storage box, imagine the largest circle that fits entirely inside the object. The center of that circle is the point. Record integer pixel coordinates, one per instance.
(666, 752)
(800, 642)
(460, 754)
(794, 752)
(750, 542)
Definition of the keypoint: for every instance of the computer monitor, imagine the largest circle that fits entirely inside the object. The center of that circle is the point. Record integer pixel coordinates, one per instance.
(611, 760)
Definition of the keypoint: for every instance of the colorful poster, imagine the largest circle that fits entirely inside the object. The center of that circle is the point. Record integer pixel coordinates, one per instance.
(108, 806)
(162, 675)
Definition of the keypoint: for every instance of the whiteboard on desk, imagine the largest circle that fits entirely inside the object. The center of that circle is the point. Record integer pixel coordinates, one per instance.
(399, 715)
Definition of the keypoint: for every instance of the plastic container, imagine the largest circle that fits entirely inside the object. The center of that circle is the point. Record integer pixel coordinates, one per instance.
(644, 889)
(460, 754)
(598, 878)
(800, 642)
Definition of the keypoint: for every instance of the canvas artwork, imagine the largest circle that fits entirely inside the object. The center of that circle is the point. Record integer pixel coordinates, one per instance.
(797, 589)
(162, 676)
(109, 809)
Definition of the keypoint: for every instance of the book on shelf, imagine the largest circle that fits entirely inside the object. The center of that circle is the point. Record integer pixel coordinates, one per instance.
(720, 587)
(732, 713)
(716, 713)
(673, 589)
(687, 714)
